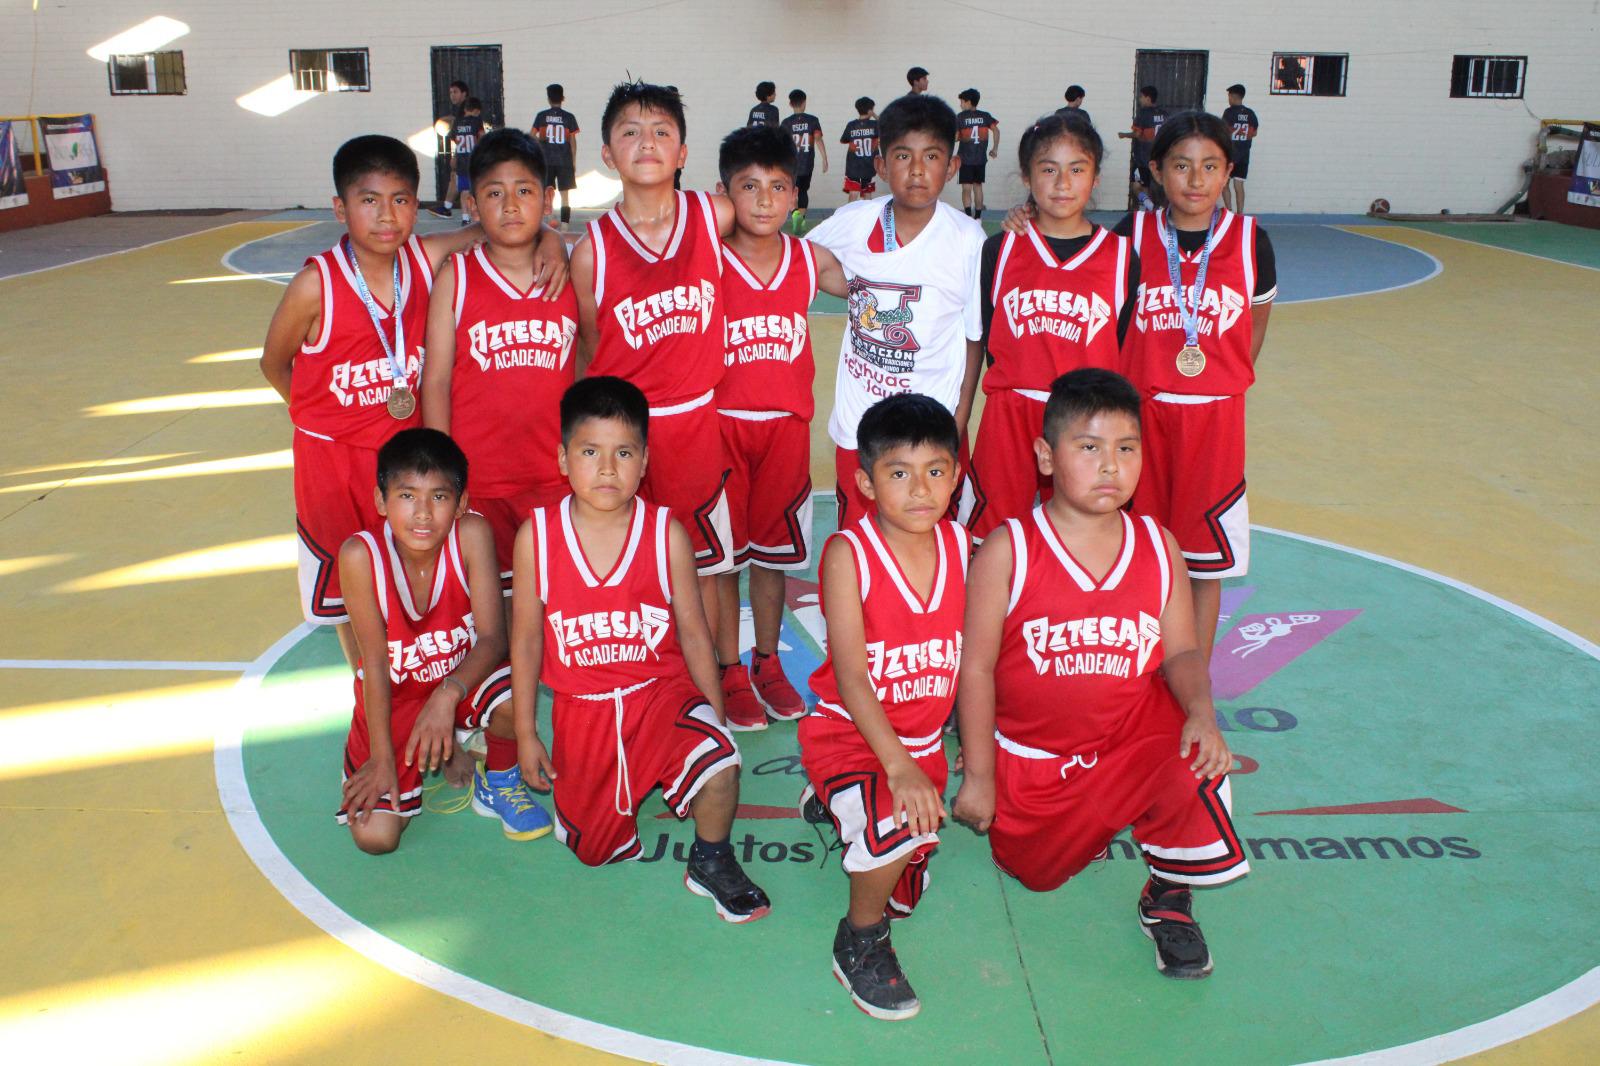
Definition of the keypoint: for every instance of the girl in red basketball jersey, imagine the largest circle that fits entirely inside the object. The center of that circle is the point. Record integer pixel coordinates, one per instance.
(1056, 296)
(1207, 281)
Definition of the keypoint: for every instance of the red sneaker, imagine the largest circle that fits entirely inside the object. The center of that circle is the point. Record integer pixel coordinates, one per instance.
(739, 701)
(777, 696)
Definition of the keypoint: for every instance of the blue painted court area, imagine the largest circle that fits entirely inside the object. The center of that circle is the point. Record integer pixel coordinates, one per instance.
(1316, 259)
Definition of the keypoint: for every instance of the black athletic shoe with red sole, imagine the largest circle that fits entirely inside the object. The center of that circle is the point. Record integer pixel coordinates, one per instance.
(1165, 915)
(864, 962)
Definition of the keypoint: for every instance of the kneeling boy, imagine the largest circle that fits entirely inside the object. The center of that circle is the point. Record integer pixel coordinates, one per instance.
(893, 594)
(1081, 664)
(606, 611)
(424, 598)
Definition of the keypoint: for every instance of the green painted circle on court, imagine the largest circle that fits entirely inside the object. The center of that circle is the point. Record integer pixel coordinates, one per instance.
(1417, 801)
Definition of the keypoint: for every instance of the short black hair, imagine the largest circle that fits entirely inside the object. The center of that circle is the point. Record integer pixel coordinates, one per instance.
(458, 84)
(420, 450)
(554, 93)
(797, 96)
(905, 420)
(647, 97)
(1150, 91)
(509, 145)
(758, 146)
(1074, 92)
(373, 153)
(765, 89)
(865, 104)
(1187, 124)
(604, 397)
(916, 113)
(472, 104)
(1084, 393)
(1051, 128)
(914, 73)
(1236, 87)
(970, 94)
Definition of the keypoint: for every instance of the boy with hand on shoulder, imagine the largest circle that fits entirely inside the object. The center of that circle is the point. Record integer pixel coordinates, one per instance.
(499, 353)
(893, 594)
(424, 602)
(1081, 666)
(606, 611)
(344, 350)
(916, 313)
(764, 406)
(1146, 121)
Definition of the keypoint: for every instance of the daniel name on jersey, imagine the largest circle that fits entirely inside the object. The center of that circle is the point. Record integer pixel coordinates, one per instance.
(759, 338)
(600, 637)
(1054, 646)
(914, 671)
(537, 342)
(680, 309)
(1071, 316)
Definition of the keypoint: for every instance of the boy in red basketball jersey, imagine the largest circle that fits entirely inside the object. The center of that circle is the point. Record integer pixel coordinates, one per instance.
(893, 595)
(1082, 669)
(606, 611)
(344, 350)
(499, 354)
(424, 603)
(764, 405)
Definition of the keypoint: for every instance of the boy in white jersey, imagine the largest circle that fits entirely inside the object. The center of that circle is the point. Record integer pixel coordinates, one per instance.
(916, 312)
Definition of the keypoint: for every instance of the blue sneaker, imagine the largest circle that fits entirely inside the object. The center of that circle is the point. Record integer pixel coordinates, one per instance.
(501, 794)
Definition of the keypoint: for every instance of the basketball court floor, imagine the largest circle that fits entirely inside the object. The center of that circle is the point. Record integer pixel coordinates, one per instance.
(1408, 677)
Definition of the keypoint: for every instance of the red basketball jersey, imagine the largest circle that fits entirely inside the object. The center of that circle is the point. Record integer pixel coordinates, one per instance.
(1052, 316)
(1157, 335)
(913, 645)
(339, 388)
(513, 362)
(767, 344)
(659, 315)
(1077, 656)
(610, 631)
(426, 641)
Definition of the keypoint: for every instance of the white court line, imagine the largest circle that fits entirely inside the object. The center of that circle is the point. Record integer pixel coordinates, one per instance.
(227, 257)
(125, 251)
(1438, 268)
(120, 664)
(1497, 248)
(1556, 1006)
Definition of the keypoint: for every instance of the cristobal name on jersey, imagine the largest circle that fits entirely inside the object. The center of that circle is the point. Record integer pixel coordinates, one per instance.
(762, 338)
(432, 654)
(680, 309)
(1097, 645)
(905, 672)
(600, 637)
(1068, 315)
(1159, 309)
(545, 343)
(368, 383)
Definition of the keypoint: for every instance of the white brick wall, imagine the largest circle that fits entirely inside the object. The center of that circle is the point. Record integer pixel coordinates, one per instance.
(1397, 134)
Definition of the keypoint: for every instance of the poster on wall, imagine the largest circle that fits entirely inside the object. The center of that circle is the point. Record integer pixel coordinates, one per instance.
(1585, 187)
(73, 159)
(13, 191)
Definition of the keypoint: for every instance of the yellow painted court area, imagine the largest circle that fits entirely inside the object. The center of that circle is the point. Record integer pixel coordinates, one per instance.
(147, 515)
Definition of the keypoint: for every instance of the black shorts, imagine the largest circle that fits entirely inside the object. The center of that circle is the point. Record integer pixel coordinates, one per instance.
(802, 182)
(972, 173)
(1241, 162)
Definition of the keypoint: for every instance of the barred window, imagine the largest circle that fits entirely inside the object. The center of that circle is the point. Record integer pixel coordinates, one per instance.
(1306, 74)
(1491, 76)
(330, 70)
(147, 74)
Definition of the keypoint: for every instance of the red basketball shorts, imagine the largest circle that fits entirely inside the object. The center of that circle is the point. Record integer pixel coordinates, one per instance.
(1193, 480)
(1056, 814)
(852, 185)
(853, 504)
(611, 750)
(506, 514)
(473, 712)
(769, 490)
(851, 783)
(335, 488)
(1005, 474)
(687, 475)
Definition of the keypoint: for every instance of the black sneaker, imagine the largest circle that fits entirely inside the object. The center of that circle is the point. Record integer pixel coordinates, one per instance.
(440, 209)
(1164, 915)
(812, 810)
(722, 880)
(865, 963)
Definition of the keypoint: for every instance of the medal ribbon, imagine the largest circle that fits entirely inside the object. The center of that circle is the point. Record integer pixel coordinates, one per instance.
(1190, 311)
(890, 240)
(397, 370)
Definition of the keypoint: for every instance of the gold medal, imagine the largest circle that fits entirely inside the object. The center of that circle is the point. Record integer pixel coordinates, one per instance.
(1191, 361)
(402, 402)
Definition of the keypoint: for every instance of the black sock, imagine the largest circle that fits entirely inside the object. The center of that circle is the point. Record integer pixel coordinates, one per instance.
(863, 930)
(566, 214)
(702, 850)
(1159, 884)
(756, 655)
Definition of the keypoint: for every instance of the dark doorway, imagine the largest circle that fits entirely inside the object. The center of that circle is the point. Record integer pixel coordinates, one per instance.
(478, 66)
(1180, 77)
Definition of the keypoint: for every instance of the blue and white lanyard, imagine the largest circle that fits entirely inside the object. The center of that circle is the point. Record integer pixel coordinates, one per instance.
(890, 240)
(397, 370)
(1187, 309)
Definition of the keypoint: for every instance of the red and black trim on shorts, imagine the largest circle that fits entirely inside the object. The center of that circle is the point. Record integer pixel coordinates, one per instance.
(1225, 558)
(1211, 870)
(797, 535)
(678, 797)
(327, 567)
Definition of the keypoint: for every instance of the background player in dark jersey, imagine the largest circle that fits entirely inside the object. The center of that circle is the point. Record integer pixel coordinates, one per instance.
(1146, 121)
(444, 125)
(861, 134)
(1075, 96)
(463, 139)
(805, 131)
(977, 142)
(917, 78)
(1242, 125)
(765, 113)
(557, 130)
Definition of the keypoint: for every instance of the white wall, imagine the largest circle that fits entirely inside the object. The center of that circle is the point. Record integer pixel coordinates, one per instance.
(1396, 134)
